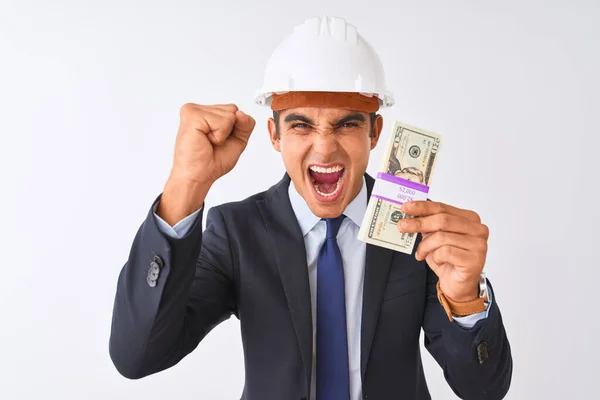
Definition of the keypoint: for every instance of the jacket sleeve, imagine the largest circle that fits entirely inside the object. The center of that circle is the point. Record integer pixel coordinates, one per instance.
(159, 317)
(477, 361)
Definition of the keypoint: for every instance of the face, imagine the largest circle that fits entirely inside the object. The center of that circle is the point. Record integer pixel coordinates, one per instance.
(325, 152)
(411, 174)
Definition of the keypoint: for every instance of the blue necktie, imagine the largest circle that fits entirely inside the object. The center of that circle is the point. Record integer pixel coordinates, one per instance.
(333, 382)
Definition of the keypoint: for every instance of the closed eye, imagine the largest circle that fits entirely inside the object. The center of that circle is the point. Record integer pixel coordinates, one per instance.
(299, 125)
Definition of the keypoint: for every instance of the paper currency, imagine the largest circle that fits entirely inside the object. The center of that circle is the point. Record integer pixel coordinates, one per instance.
(405, 175)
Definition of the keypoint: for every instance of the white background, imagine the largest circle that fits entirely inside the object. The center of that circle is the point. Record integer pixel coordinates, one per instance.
(89, 104)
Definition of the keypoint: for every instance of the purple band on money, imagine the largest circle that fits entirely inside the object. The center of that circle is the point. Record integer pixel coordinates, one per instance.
(403, 182)
(398, 190)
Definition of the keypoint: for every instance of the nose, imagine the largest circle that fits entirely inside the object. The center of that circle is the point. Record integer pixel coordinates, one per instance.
(325, 144)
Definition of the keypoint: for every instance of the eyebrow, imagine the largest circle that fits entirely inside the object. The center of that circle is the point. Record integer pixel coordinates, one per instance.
(298, 117)
(350, 118)
(343, 120)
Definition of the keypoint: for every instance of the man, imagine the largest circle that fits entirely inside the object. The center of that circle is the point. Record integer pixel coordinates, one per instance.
(323, 315)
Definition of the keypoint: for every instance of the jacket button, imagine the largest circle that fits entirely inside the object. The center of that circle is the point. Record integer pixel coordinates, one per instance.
(159, 261)
(482, 352)
(151, 282)
(154, 271)
(152, 274)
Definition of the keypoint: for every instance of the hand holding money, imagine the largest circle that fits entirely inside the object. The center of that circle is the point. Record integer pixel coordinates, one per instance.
(454, 245)
(454, 240)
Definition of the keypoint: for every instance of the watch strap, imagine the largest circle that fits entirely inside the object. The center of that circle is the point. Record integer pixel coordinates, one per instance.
(460, 308)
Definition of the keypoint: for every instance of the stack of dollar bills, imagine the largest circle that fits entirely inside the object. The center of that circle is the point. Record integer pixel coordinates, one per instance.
(404, 175)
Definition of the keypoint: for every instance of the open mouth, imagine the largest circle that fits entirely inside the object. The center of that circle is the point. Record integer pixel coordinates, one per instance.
(327, 181)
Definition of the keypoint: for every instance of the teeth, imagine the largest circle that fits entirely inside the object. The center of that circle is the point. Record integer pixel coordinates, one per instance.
(337, 186)
(322, 170)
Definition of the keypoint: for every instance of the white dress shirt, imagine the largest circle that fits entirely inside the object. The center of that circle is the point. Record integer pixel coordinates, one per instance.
(353, 256)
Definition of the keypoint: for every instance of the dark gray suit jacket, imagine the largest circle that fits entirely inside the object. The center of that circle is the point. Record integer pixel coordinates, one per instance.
(251, 262)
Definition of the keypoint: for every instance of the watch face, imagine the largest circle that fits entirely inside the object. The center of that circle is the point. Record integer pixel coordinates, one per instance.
(483, 291)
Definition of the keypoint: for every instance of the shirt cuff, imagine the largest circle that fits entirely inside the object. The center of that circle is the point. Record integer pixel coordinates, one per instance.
(180, 229)
(469, 321)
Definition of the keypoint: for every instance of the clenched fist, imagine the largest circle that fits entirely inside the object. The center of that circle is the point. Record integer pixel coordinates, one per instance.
(209, 143)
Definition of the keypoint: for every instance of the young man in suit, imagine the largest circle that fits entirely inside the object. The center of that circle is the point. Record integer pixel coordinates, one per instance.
(323, 315)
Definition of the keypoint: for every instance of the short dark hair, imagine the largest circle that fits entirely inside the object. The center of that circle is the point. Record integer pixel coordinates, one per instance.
(277, 113)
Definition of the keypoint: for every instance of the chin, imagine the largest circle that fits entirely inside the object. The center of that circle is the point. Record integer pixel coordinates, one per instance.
(327, 211)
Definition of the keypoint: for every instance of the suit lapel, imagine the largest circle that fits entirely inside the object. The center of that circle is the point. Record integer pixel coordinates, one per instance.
(377, 267)
(290, 254)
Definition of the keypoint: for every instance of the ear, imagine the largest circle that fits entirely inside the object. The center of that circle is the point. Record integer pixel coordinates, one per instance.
(377, 131)
(272, 127)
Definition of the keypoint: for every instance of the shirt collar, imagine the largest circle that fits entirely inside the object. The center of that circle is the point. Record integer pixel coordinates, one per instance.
(307, 220)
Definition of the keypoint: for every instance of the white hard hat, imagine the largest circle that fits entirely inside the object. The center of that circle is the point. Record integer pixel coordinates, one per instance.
(325, 55)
